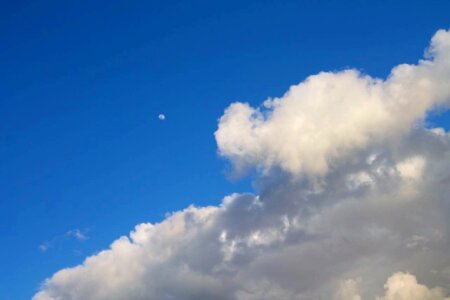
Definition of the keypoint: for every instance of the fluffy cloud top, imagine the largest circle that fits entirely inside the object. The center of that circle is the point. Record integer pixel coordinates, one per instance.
(400, 286)
(373, 205)
(325, 118)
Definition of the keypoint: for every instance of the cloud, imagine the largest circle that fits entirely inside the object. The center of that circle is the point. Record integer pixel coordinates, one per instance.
(44, 246)
(348, 290)
(76, 234)
(350, 186)
(324, 119)
(400, 286)
(404, 286)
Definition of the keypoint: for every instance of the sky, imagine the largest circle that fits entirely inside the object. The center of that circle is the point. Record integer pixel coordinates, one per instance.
(118, 113)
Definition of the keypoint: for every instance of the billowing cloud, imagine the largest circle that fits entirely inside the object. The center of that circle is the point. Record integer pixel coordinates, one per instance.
(400, 286)
(352, 192)
(348, 290)
(404, 286)
(324, 119)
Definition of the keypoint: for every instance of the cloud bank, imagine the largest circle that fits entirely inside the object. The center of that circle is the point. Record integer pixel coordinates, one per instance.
(352, 202)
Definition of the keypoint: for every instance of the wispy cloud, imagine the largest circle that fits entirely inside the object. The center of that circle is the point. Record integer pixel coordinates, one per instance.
(73, 234)
(77, 234)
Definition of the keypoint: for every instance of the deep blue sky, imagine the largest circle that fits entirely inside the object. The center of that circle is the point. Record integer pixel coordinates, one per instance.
(82, 84)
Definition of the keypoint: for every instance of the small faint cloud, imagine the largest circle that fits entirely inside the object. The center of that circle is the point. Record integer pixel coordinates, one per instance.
(162, 117)
(44, 246)
(73, 234)
(77, 234)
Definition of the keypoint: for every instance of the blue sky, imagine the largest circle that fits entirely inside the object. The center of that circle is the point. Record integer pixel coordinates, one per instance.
(82, 84)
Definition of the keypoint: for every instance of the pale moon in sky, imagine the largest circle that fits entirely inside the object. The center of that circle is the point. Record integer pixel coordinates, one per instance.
(161, 117)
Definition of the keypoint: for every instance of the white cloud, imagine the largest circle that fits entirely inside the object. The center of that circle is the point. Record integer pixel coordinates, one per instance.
(76, 234)
(44, 246)
(374, 201)
(329, 116)
(400, 286)
(404, 286)
(412, 168)
(348, 290)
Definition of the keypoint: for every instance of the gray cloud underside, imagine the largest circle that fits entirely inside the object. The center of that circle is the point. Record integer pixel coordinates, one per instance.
(353, 203)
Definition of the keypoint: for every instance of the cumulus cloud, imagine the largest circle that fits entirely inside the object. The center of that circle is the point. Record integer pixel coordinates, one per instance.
(352, 190)
(327, 117)
(400, 286)
(404, 286)
(348, 290)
